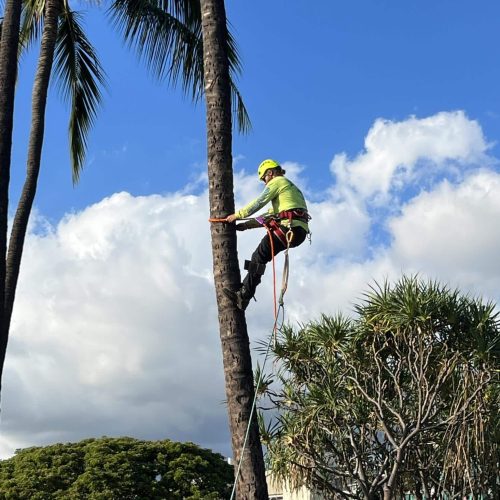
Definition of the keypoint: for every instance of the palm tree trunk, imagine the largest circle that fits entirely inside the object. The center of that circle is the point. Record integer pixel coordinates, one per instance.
(233, 330)
(8, 68)
(39, 100)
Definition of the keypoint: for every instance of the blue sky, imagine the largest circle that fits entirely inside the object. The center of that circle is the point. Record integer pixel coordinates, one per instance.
(386, 113)
(316, 76)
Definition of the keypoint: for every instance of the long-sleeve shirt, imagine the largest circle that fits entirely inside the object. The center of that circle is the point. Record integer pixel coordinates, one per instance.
(283, 194)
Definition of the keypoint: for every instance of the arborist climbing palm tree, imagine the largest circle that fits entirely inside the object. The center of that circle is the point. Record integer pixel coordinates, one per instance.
(287, 221)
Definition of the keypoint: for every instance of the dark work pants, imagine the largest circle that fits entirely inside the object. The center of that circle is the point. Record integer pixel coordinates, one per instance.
(263, 255)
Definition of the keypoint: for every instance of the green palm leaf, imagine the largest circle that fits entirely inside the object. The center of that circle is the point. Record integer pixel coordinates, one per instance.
(80, 77)
(31, 23)
(239, 109)
(167, 35)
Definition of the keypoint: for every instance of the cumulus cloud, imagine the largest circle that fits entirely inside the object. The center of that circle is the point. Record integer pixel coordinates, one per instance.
(115, 326)
(394, 150)
(453, 231)
(114, 329)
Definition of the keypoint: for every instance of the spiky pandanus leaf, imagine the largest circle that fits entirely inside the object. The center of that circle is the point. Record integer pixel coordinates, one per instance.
(80, 76)
(167, 35)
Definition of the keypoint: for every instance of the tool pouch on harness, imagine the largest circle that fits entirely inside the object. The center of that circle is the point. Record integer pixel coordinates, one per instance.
(254, 268)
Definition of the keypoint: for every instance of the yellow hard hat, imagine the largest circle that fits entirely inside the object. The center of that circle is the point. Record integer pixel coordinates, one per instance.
(266, 165)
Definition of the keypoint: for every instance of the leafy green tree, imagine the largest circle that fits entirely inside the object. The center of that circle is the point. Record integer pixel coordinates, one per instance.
(402, 398)
(116, 468)
(251, 481)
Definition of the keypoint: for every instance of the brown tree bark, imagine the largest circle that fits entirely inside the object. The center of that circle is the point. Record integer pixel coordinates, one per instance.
(232, 324)
(8, 69)
(39, 100)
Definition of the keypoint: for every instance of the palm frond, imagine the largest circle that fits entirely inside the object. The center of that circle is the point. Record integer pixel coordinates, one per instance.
(80, 77)
(239, 109)
(168, 36)
(163, 39)
(235, 68)
(31, 23)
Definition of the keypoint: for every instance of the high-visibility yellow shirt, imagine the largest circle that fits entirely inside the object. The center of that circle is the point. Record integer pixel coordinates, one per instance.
(283, 194)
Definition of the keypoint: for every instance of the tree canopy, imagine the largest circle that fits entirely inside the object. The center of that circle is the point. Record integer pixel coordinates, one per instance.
(402, 398)
(116, 468)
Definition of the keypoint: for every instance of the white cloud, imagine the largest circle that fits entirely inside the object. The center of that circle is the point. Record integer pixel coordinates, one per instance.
(393, 151)
(115, 329)
(453, 231)
(339, 228)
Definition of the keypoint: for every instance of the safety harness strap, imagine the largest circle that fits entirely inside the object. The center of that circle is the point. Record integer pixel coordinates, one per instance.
(295, 214)
(277, 230)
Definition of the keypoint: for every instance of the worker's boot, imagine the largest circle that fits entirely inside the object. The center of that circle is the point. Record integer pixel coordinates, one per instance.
(241, 298)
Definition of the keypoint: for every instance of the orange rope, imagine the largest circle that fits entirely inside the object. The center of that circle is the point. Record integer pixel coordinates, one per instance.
(217, 220)
(225, 220)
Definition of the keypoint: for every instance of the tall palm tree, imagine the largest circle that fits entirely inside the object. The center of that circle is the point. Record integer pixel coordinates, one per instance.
(232, 324)
(168, 35)
(167, 31)
(8, 68)
(39, 98)
(80, 75)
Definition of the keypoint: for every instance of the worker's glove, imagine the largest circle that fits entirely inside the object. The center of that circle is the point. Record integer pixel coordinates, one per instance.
(243, 226)
(249, 224)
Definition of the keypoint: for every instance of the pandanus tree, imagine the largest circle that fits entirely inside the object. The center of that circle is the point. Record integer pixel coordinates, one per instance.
(400, 400)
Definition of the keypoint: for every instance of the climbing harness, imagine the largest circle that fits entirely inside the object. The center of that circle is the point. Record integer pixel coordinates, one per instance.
(273, 222)
(295, 213)
(278, 306)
